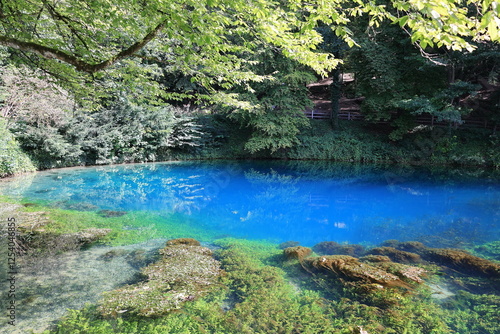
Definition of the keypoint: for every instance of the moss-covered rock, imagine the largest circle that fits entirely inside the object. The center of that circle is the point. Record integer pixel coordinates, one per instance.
(408, 246)
(90, 235)
(111, 213)
(396, 255)
(462, 261)
(351, 269)
(375, 258)
(456, 259)
(183, 273)
(406, 273)
(334, 248)
(297, 252)
(183, 241)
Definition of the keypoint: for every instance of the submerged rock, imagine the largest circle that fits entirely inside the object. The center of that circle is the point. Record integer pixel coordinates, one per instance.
(334, 248)
(297, 252)
(91, 235)
(351, 269)
(396, 255)
(404, 272)
(375, 258)
(111, 213)
(44, 243)
(408, 246)
(288, 244)
(462, 261)
(184, 273)
(112, 254)
(183, 241)
(455, 259)
(77, 206)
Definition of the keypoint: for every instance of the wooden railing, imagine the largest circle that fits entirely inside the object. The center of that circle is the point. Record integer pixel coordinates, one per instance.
(353, 114)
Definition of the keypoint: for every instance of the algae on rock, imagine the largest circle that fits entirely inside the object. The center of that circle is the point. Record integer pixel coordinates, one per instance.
(183, 273)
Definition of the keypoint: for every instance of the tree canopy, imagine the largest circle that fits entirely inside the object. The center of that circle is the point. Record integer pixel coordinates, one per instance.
(249, 58)
(208, 39)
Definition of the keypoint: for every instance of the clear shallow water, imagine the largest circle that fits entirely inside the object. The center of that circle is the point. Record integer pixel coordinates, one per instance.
(279, 201)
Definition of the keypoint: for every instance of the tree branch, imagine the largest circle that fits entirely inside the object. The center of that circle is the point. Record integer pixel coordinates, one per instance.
(80, 65)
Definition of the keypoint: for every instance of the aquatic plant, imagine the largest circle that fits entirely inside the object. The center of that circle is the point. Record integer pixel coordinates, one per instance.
(490, 250)
(350, 269)
(183, 241)
(297, 252)
(184, 273)
(396, 255)
(333, 248)
(257, 297)
(288, 244)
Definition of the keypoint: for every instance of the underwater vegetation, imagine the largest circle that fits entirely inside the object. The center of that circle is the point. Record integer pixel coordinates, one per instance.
(184, 272)
(259, 288)
(241, 286)
(489, 250)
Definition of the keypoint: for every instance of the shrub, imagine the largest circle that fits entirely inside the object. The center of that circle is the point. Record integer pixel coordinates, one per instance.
(12, 158)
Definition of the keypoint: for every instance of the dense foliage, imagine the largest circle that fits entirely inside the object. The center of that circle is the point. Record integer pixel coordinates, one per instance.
(12, 158)
(208, 40)
(214, 79)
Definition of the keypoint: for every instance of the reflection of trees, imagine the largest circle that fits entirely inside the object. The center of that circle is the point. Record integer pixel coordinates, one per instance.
(166, 187)
(17, 186)
(262, 200)
(309, 201)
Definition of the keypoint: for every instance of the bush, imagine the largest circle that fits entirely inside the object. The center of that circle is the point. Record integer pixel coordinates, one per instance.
(12, 159)
(123, 132)
(346, 144)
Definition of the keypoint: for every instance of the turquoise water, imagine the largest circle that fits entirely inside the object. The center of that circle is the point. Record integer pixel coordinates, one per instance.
(308, 202)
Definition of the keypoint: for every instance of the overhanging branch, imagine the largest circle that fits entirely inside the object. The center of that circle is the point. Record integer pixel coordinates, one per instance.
(80, 65)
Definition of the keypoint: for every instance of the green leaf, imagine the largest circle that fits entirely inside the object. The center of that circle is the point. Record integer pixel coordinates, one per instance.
(402, 21)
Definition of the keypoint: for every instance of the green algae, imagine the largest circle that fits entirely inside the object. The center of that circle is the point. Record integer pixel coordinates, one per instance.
(132, 227)
(257, 297)
(264, 292)
(183, 273)
(490, 250)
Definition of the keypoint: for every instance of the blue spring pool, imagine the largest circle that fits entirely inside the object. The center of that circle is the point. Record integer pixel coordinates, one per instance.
(308, 202)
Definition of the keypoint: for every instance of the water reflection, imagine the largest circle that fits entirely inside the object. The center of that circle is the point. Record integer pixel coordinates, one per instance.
(305, 201)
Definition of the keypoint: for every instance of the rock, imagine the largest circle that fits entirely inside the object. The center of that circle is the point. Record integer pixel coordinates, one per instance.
(91, 235)
(396, 255)
(297, 252)
(184, 272)
(407, 246)
(112, 254)
(333, 248)
(111, 213)
(455, 259)
(138, 258)
(350, 269)
(32, 222)
(183, 241)
(407, 273)
(288, 244)
(375, 258)
(463, 262)
(77, 206)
